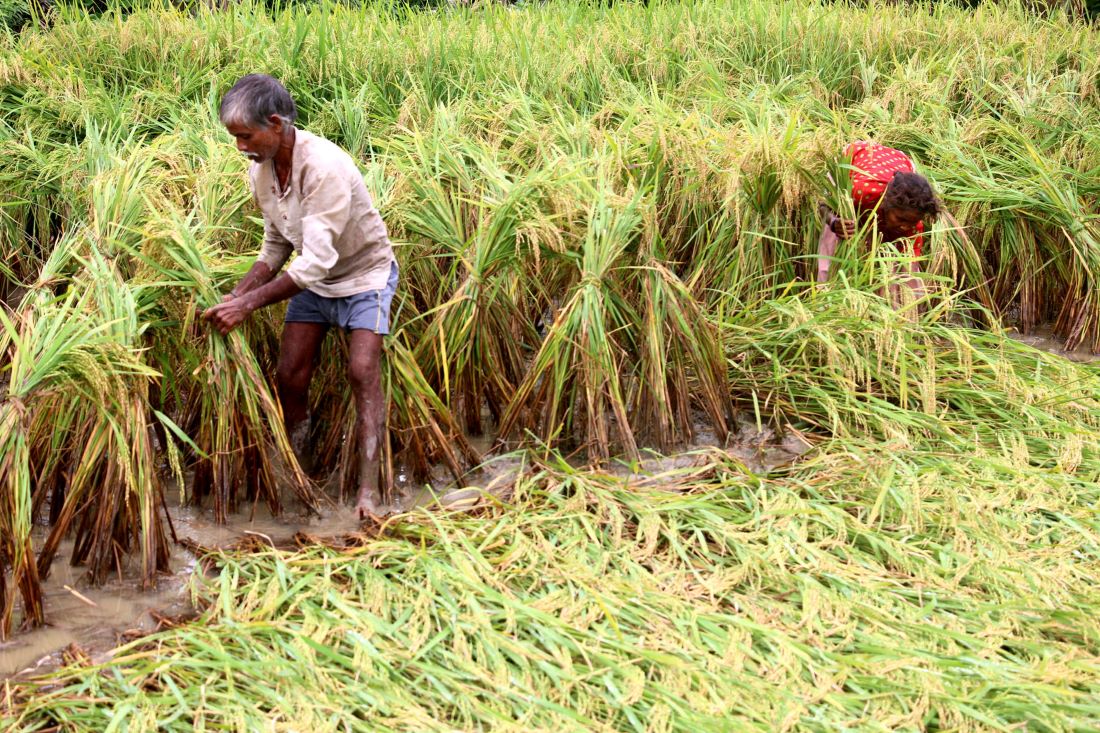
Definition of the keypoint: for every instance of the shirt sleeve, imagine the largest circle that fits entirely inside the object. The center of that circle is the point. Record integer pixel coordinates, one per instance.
(326, 209)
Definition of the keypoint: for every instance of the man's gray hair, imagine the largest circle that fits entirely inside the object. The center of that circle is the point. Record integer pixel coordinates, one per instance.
(253, 99)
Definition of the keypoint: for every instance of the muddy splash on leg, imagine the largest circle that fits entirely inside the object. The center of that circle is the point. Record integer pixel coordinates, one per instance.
(299, 443)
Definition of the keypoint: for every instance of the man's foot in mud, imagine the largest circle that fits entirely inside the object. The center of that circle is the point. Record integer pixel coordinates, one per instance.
(369, 505)
(299, 443)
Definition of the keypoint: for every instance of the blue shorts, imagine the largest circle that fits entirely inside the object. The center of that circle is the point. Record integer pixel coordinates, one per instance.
(369, 310)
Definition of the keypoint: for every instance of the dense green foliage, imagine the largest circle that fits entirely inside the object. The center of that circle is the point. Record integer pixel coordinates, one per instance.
(641, 182)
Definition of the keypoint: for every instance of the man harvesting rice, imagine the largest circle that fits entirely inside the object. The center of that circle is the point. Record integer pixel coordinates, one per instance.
(314, 202)
(889, 195)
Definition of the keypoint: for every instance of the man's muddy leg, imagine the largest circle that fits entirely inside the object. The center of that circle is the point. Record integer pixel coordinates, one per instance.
(297, 356)
(365, 375)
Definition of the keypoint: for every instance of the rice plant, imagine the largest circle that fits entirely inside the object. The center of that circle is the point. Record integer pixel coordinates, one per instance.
(75, 431)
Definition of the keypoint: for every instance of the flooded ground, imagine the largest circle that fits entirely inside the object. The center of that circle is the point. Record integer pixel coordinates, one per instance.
(98, 618)
(1043, 338)
(94, 618)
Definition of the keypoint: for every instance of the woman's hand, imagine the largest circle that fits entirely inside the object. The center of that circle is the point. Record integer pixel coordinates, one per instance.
(843, 228)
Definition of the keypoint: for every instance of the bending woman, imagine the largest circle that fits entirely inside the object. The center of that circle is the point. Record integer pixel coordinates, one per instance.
(889, 195)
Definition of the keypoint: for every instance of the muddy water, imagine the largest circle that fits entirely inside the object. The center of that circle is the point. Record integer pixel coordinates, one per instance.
(98, 618)
(93, 618)
(1043, 338)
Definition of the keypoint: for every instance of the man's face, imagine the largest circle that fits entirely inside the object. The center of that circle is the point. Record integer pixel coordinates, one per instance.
(258, 144)
(899, 223)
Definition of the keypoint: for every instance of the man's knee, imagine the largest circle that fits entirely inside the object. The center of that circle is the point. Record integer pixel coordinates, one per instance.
(293, 379)
(364, 359)
(364, 374)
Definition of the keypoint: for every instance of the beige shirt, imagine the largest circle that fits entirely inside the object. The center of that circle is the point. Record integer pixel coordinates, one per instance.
(327, 217)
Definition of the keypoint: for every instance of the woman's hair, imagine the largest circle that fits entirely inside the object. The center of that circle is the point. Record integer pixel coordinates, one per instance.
(253, 99)
(911, 191)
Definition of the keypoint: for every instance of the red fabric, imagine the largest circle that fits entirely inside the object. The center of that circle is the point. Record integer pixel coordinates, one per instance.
(873, 167)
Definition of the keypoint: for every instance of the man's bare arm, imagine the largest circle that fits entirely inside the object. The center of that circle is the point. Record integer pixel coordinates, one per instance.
(260, 274)
(230, 314)
(280, 288)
